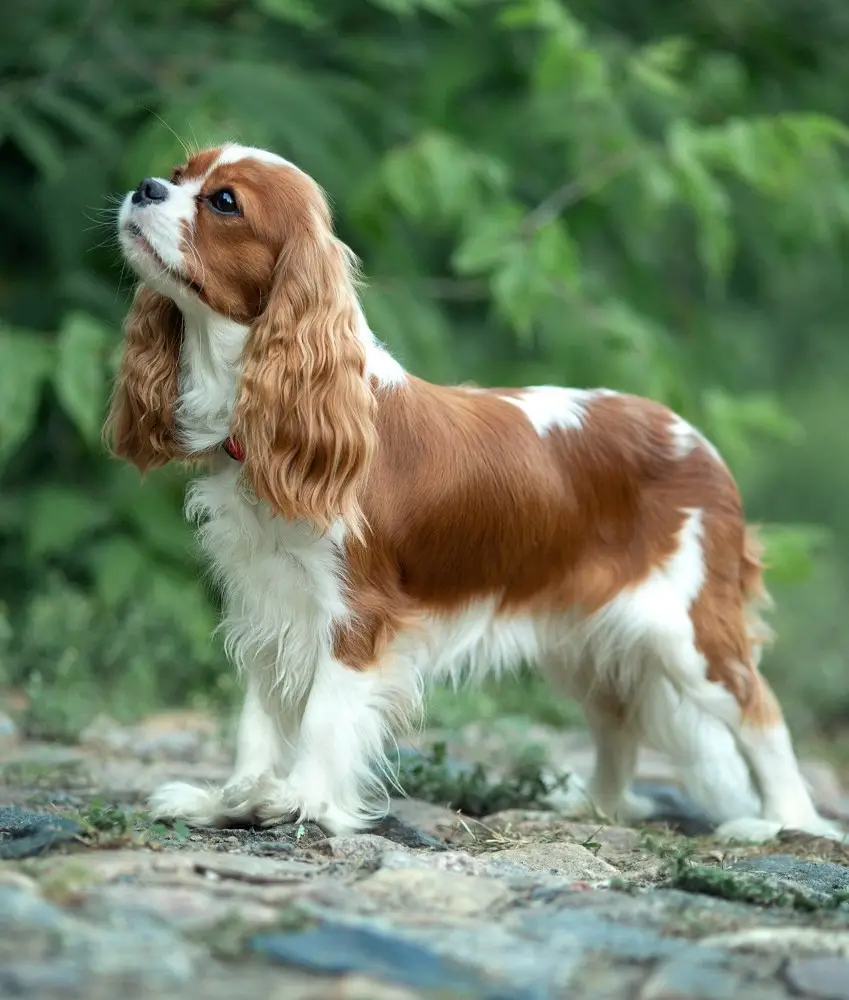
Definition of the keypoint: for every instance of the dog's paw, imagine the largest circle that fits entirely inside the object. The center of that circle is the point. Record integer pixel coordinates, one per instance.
(754, 830)
(280, 800)
(195, 806)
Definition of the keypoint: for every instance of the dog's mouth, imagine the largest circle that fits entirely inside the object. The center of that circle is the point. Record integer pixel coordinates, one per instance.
(144, 244)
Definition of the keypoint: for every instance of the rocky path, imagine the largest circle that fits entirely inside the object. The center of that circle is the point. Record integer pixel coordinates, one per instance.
(95, 901)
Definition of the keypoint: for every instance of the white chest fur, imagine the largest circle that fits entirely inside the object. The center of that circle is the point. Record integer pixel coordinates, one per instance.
(282, 582)
(209, 377)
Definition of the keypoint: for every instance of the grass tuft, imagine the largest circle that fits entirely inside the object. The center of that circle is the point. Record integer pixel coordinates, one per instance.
(432, 777)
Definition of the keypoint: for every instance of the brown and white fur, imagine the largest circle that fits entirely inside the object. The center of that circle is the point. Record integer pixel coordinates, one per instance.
(383, 532)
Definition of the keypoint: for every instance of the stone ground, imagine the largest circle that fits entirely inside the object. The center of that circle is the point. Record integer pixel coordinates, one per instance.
(95, 901)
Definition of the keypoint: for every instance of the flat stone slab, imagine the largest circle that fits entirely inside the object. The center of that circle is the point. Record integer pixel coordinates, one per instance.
(822, 878)
(24, 834)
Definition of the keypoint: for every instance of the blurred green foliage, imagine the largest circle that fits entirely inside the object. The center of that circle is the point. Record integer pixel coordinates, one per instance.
(650, 197)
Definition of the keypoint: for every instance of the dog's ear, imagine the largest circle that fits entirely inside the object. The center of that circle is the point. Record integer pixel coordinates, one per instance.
(305, 411)
(140, 424)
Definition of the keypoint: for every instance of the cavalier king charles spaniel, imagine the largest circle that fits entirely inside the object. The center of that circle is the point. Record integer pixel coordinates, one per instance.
(372, 532)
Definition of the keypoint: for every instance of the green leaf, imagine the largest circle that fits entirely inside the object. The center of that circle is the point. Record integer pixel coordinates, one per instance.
(706, 197)
(566, 64)
(793, 159)
(556, 254)
(658, 66)
(550, 15)
(405, 179)
(567, 61)
(517, 286)
(74, 115)
(528, 270)
(59, 517)
(733, 422)
(450, 10)
(25, 362)
(658, 180)
(181, 831)
(667, 55)
(790, 550)
(118, 565)
(35, 140)
(625, 329)
(81, 378)
(157, 518)
(299, 12)
(487, 239)
(439, 176)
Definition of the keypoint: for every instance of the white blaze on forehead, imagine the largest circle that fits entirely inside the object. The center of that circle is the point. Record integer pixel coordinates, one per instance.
(232, 153)
(549, 406)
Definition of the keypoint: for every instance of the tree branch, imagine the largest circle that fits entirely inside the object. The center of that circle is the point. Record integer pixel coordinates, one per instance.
(577, 189)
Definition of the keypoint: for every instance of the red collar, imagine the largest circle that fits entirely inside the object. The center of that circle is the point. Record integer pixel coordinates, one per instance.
(234, 450)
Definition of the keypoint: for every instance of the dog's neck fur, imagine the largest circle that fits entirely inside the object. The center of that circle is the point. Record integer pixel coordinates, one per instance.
(210, 368)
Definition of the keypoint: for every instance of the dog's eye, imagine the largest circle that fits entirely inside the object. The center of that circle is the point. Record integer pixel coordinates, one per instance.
(223, 202)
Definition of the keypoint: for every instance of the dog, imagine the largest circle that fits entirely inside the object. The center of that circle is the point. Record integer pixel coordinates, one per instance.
(372, 532)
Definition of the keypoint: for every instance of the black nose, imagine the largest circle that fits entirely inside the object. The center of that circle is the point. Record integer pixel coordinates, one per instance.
(150, 192)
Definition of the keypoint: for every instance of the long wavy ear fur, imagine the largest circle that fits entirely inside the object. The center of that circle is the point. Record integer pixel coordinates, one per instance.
(305, 409)
(140, 424)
